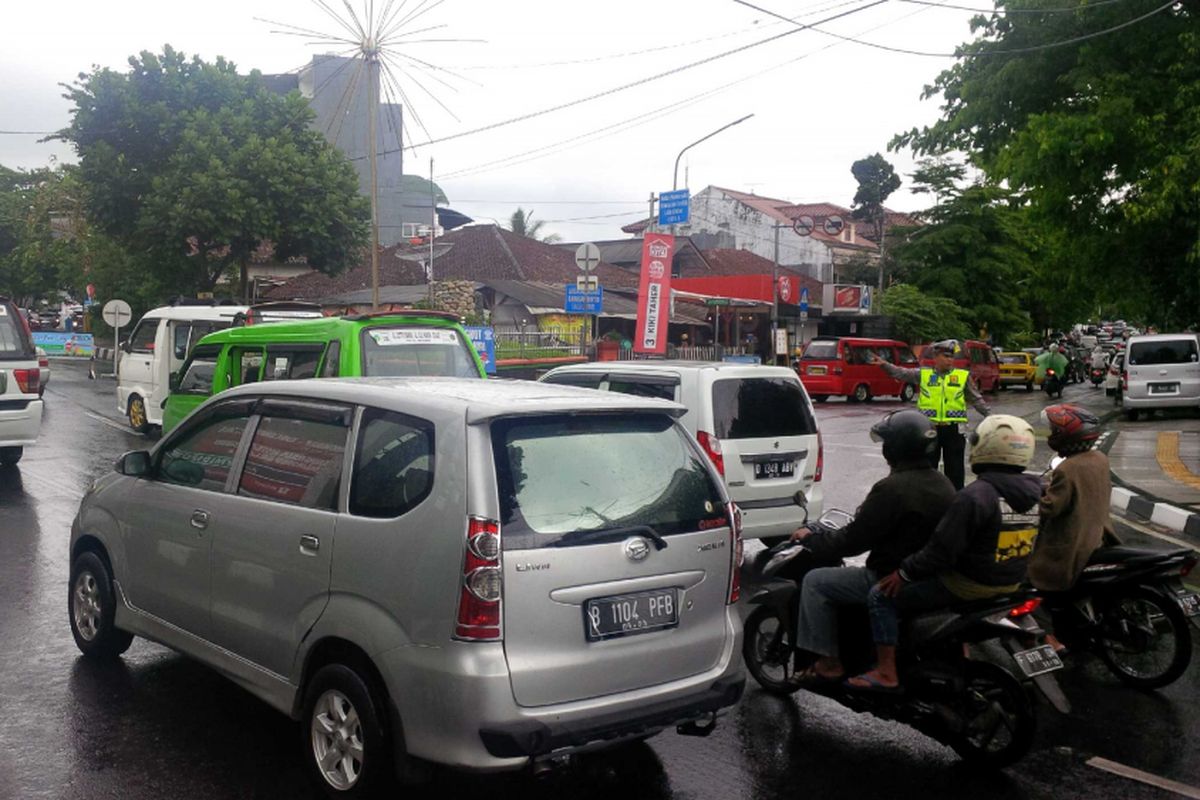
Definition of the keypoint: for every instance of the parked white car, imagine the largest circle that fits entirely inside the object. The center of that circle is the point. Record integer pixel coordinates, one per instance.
(20, 385)
(1161, 371)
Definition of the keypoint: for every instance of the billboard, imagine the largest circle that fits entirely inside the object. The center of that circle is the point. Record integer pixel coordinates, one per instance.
(654, 294)
(842, 298)
(65, 344)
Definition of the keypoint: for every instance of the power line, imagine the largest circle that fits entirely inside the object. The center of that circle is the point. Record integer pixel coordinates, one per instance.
(1007, 11)
(962, 54)
(640, 119)
(28, 133)
(640, 81)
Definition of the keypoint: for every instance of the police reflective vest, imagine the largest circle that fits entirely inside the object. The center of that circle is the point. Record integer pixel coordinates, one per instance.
(943, 398)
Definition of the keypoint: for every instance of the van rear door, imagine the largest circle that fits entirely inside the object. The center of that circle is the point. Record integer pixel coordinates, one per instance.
(768, 437)
(617, 554)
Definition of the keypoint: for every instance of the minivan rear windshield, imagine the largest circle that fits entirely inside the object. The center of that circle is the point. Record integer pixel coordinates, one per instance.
(759, 408)
(400, 351)
(565, 474)
(14, 340)
(821, 350)
(1169, 351)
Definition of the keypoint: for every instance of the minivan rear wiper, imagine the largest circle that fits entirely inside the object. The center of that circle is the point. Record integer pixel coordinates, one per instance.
(602, 534)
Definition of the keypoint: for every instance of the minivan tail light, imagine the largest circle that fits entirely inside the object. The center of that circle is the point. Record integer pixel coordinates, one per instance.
(712, 446)
(482, 586)
(820, 458)
(735, 549)
(27, 380)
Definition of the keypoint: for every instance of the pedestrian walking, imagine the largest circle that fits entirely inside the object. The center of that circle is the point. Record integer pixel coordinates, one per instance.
(944, 392)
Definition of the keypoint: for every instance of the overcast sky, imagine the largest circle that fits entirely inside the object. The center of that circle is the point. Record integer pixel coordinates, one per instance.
(819, 103)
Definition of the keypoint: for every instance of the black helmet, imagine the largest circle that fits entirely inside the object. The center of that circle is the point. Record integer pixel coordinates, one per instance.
(1072, 429)
(907, 435)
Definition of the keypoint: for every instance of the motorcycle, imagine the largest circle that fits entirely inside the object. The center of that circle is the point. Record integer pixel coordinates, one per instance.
(1130, 607)
(1052, 384)
(1097, 376)
(963, 670)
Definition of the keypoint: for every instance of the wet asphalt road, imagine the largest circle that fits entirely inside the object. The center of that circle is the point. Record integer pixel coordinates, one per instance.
(157, 725)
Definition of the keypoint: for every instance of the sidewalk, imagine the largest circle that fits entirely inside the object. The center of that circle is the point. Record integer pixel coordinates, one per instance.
(1156, 473)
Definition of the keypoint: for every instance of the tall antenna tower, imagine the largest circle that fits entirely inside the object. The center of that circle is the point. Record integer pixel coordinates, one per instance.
(376, 45)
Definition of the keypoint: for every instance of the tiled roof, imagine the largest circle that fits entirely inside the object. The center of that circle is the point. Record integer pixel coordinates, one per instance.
(475, 253)
(744, 262)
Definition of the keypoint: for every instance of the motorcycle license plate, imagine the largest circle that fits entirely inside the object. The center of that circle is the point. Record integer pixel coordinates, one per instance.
(626, 614)
(1038, 660)
(774, 469)
(1190, 603)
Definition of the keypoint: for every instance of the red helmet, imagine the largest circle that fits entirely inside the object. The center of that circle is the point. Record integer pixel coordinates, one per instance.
(1072, 429)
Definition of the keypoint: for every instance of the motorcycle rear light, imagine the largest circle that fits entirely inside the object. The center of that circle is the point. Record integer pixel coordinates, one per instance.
(482, 589)
(820, 458)
(1026, 608)
(27, 380)
(712, 446)
(735, 541)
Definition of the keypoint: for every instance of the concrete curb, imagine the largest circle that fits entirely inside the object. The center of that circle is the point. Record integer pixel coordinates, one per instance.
(1168, 516)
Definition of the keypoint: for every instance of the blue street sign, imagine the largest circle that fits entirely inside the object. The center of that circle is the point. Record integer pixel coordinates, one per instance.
(484, 340)
(673, 207)
(804, 298)
(865, 302)
(584, 301)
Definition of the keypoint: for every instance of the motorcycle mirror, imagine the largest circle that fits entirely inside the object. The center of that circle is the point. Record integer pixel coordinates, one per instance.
(800, 499)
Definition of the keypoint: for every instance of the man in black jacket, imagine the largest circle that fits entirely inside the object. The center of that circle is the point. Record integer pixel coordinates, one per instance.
(980, 549)
(893, 521)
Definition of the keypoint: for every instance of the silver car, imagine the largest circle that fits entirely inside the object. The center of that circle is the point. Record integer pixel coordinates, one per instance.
(481, 575)
(1161, 371)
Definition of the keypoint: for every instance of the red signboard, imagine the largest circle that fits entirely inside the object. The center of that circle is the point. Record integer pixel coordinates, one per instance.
(654, 294)
(789, 289)
(847, 298)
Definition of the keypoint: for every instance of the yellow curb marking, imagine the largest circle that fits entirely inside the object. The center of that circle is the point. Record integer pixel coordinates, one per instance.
(1168, 458)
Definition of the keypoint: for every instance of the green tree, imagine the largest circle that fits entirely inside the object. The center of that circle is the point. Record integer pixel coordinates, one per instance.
(522, 224)
(877, 179)
(920, 317)
(194, 168)
(1098, 135)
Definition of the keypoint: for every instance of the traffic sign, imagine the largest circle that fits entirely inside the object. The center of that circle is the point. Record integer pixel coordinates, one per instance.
(717, 301)
(833, 225)
(803, 225)
(117, 313)
(804, 300)
(587, 256)
(583, 302)
(586, 283)
(673, 207)
(865, 301)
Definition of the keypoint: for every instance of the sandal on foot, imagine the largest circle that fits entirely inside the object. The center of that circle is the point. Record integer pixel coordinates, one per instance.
(810, 677)
(870, 684)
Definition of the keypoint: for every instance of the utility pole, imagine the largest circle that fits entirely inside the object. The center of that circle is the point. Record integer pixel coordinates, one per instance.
(775, 296)
(432, 228)
(651, 227)
(372, 56)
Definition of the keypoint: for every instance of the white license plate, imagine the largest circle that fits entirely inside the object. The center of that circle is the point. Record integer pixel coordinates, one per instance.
(1164, 388)
(1190, 603)
(622, 615)
(774, 469)
(1038, 660)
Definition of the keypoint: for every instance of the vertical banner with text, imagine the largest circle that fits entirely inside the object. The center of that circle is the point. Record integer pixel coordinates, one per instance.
(654, 294)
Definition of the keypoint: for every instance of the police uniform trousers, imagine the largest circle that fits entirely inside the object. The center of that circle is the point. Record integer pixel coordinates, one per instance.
(951, 447)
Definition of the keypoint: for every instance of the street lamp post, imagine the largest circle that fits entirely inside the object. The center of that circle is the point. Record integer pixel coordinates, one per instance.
(675, 175)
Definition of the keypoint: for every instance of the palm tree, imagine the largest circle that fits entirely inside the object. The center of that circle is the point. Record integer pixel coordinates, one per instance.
(521, 223)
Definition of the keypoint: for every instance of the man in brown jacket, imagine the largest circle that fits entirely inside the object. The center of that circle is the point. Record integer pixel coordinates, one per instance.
(1074, 507)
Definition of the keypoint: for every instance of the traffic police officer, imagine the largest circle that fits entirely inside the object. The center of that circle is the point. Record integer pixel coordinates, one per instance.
(944, 394)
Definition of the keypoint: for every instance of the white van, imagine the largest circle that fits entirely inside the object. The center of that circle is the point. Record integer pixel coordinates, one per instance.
(1161, 371)
(158, 346)
(756, 424)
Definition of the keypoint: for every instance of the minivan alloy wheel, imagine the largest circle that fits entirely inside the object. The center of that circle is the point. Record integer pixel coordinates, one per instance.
(337, 740)
(86, 605)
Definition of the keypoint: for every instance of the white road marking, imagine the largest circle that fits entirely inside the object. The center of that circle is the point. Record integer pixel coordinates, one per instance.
(108, 422)
(1147, 778)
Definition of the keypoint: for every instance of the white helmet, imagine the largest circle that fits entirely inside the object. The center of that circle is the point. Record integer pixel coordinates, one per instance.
(1003, 439)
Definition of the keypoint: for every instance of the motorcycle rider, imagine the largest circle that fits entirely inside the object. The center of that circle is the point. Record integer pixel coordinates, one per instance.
(893, 521)
(1074, 506)
(980, 548)
(944, 394)
(1051, 359)
(1099, 358)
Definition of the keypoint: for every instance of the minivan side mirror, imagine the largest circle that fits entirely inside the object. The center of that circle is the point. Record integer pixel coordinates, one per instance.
(173, 381)
(126, 347)
(135, 464)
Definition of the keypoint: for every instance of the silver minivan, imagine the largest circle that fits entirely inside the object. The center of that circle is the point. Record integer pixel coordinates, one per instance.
(755, 422)
(483, 575)
(1161, 371)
